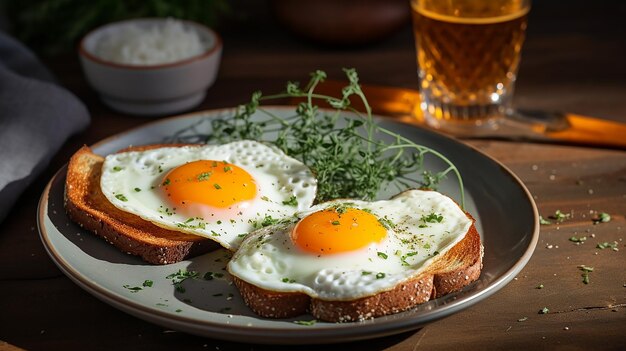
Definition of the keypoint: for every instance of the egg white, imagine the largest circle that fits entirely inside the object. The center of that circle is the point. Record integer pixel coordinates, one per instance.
(269, 259)
(130, 181)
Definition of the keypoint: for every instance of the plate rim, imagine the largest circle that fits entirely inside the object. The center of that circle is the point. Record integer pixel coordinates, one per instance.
(338, 332)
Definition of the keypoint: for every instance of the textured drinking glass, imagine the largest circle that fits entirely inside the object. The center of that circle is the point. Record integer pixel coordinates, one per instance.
(468, 52)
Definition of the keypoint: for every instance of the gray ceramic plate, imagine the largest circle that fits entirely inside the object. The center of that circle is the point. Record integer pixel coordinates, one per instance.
(214, 309)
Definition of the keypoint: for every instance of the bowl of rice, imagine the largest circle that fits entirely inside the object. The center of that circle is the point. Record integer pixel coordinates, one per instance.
(151, 66)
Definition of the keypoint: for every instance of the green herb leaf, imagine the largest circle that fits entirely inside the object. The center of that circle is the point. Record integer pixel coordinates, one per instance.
(347, 154)
(382, 255)
(148, 283)
(432, 218)
(133, 289)
(179, 277)
(292, 201)
(121, 197)
(603, 217)
(544, 221)
(607, 245)
(380, 275)
(544, 310)
(203, 176)
(560, 216)
(306, 323)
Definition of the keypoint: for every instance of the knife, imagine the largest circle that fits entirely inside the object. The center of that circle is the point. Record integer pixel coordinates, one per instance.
(530, 125)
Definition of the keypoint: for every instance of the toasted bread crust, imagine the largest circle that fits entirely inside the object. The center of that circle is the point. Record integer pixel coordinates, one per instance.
(86, 205)
(456, 269)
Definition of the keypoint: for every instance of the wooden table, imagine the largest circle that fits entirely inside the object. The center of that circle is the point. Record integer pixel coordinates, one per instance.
(569, 64)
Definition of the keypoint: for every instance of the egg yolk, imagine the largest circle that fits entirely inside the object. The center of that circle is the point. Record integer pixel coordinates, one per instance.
(216, 184)
(335, 231)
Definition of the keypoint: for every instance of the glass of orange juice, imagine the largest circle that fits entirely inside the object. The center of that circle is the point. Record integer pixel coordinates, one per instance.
(468, 52)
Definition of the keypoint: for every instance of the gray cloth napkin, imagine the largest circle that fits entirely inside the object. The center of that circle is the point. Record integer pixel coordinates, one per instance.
(36, 117)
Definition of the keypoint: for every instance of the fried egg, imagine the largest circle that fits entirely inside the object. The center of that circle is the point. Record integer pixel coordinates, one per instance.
(221, 192)
(348, 249)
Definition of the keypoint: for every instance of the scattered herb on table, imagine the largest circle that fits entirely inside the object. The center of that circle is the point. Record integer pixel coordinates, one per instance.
(559, 216)
(544, 310)
(586, 270)
(578, 240)
(544, 221)
(602, 217)
(607, 245)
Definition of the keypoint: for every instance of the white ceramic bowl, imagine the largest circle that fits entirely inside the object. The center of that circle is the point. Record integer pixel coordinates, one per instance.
(151, 89)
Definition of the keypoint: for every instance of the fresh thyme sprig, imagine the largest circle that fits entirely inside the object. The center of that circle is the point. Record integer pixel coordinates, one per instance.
(346, 152)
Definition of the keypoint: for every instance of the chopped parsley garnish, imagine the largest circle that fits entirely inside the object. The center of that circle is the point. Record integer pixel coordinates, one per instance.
(544, 221)
(607, 245)
(188, 224)
(350, 156)
(133, 289)
(227, 169)
(121, 197)
(382, 255)
(269, 220)
(306, 323)
(586, 270)
(576, 239)
(386, 223)
(211, 275)
(380, 275)
(560, 216)
(288, 280)
(217, 186)
(335, 223)
(148, 283)
(179, 277)
(432, 218)
(292, 201)
(137, 190)
(603, 217)
(117, 168)
(203, 176)
(366, 273)
(166, 182)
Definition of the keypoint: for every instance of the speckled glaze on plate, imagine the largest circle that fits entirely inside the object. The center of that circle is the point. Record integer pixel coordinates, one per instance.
(213, 308)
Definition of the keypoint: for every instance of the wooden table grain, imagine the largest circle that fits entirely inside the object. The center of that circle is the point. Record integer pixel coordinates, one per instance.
(568, 64)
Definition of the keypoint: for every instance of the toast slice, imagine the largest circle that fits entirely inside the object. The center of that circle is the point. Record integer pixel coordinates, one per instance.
(454, 270)
(86, 205)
